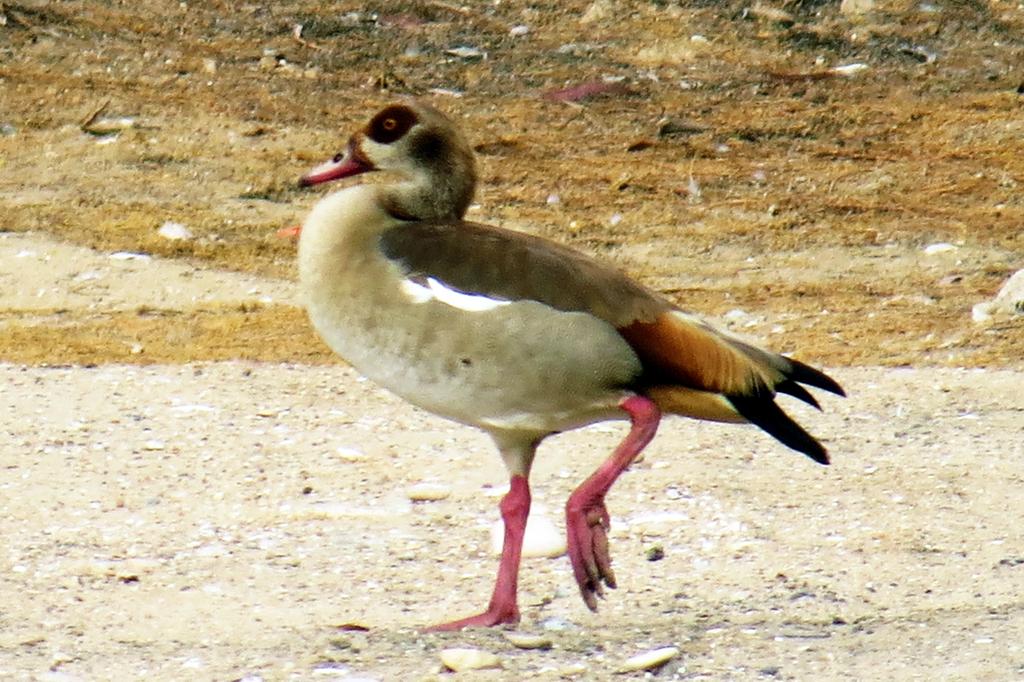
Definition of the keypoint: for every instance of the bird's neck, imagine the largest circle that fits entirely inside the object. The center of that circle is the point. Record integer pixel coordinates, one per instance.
(441, 192)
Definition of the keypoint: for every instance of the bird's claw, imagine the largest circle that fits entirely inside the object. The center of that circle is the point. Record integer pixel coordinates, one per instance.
(588, 550)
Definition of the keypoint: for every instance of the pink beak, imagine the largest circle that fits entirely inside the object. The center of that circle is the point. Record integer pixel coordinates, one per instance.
(341, 166)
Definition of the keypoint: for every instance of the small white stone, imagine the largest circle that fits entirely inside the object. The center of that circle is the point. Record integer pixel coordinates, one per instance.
(153, 445)
(849, 69)
(466, 52)
(519, 30)
(981, 312)
(459, 659)
(650, 659)
(446, 92)
(542, 537)
(88, 276)
(1008, 302)
(856, 7)
(940, 247)
(528, 640)
(572, 670)
(427, 492)
(736, 315)
(351, 454)
(174, 231)
(599, 10)
(125, 255)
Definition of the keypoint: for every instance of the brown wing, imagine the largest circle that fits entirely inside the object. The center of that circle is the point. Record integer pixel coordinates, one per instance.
(673, 347)
(513, 266)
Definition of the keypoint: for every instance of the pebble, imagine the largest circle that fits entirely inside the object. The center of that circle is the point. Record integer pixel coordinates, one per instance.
(528, 640)
(542, 539)
(1009, 301)
(941, 247)
(856, 7)
(125, 255)
(599, 10)
(427, 492)
(650, 660)
(459, 659)
(351, 454)
(572, 670)
(556, 624)
(466, 52)
(849, 69)
(173, 230)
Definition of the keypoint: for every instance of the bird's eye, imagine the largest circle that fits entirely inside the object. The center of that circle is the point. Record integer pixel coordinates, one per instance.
(391, 124)
(338, 157)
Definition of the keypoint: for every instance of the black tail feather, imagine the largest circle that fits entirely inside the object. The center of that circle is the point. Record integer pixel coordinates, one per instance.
(805, 374)
(797, 391)
(760, 409)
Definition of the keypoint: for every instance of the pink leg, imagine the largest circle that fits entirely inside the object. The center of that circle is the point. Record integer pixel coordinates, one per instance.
(515, 508)
(586, 518)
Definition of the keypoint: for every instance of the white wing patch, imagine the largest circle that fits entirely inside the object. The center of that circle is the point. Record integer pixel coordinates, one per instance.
(417, 293)
(435, 290)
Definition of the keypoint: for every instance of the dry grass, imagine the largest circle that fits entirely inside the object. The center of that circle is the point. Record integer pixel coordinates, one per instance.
(787, 158)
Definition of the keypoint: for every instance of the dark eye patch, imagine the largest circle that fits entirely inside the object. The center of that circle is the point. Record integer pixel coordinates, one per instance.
(391, 124)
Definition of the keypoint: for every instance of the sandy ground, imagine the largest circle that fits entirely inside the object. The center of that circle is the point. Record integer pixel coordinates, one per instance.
(191, 486)
(226, 520)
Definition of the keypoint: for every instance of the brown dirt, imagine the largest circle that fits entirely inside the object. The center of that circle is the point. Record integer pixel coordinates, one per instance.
(792, 202)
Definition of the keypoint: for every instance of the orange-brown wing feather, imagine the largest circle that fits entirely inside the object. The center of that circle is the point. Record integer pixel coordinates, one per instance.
(676, 349)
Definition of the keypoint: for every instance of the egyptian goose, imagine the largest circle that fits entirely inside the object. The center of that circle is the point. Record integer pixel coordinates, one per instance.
(514, 334)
